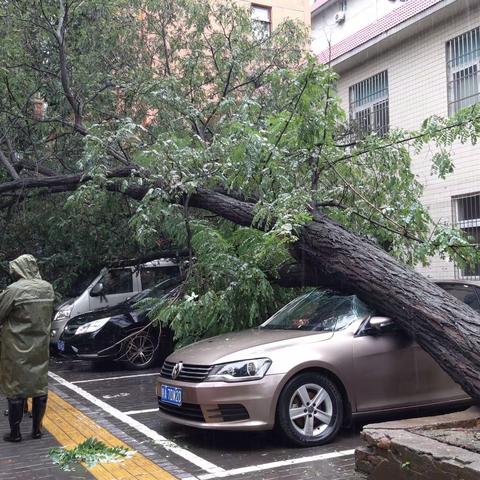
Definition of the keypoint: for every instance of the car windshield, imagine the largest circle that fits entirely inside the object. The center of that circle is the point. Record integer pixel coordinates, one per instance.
(323, 311)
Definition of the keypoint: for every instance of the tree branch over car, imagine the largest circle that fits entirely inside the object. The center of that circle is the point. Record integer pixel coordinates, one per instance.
(150, 112)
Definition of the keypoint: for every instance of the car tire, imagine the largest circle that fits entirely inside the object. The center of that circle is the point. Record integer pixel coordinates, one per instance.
(141, 351)
(310, 410)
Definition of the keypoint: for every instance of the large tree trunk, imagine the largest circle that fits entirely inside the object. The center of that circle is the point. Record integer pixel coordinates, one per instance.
(329, 255)
(332, 256)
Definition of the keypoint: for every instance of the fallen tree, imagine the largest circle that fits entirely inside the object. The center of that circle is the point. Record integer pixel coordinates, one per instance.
(328, 255)
(241, 128)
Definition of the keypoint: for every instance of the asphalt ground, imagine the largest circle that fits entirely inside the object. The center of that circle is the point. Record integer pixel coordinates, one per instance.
(107, 401)
(124, 402)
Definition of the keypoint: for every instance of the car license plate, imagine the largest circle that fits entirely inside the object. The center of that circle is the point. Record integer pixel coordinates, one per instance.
(61, 346)
(171, 395)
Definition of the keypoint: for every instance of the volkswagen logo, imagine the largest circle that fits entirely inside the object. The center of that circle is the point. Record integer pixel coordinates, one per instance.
(177, 369)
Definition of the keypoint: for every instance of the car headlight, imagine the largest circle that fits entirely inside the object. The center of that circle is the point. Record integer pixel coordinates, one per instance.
(64, 313)
(91, 327)
(241, 371)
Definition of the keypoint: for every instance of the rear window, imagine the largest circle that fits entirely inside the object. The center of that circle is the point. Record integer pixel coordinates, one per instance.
(465, 293)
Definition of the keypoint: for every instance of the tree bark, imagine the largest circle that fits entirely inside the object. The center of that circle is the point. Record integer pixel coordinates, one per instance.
(328, 255)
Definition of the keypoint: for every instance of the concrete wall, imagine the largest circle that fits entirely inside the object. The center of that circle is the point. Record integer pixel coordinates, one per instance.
(417, 89)
(283, 9)
(359, 14)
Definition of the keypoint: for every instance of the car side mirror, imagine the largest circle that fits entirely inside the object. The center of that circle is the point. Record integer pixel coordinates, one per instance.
(97, 290)
(378, 325)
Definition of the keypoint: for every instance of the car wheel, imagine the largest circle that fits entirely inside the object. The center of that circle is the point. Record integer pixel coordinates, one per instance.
(141, 351)
(310, 410)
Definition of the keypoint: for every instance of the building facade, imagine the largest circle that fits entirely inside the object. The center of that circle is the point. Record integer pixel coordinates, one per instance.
(334, 20)
(270, 13)
(420, 59)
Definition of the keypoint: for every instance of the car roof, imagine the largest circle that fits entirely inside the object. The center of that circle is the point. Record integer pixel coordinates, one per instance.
(475, 283)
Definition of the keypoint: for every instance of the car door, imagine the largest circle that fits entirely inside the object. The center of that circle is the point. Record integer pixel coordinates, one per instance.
(385, 366)
(151, 276)
(118, 285)
(436, 385)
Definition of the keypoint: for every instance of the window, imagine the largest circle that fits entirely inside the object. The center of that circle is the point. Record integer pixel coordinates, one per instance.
(464, 293)
(466, 217)
(369, 110)
(261, 21)
(463, 57)
(117, 281)
(151, 276)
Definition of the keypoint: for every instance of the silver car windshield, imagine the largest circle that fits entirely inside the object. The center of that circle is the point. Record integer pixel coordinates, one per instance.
(319, 311)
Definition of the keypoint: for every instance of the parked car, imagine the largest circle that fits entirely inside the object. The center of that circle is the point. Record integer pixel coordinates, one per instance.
(112, 287)
(321, 360)
(121, 333)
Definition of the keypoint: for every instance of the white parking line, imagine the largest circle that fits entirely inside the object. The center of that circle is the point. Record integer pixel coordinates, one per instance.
(116, 378)
(137, 412)
(272, 465)
(205, 465)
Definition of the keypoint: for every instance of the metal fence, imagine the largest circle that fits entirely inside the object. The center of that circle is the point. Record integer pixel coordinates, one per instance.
(466, 217)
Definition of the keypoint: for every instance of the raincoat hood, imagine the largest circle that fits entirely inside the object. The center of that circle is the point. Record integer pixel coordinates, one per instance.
(25, 267)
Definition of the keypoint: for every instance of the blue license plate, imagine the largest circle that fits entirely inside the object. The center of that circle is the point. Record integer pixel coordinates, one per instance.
(61, 346)
(171, 395)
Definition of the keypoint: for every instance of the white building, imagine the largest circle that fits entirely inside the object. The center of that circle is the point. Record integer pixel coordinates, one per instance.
(422, 58)
(334, 20)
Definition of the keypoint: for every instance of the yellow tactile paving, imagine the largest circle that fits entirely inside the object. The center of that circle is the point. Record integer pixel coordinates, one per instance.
(71, 427)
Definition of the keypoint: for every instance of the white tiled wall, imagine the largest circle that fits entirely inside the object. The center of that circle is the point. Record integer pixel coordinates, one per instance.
(359, 14)
(418, 88)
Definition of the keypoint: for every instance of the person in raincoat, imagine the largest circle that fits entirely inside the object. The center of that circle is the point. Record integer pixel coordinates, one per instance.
(26, 308)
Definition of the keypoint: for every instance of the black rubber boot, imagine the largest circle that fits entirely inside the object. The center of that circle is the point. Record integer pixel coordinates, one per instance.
(15, 415)
(39, 406)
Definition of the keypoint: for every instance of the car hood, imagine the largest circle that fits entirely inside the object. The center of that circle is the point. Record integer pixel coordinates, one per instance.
(117, 310)
(254, 343)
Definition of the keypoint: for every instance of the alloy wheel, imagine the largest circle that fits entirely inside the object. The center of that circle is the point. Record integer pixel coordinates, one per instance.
(140, 350)
(310, 410)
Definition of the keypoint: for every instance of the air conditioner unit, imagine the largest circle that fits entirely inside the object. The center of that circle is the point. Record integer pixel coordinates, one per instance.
(340, 17)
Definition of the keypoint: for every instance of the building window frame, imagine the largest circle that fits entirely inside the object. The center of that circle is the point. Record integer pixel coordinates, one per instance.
(369, 105)
(261, 28)
(466, 217)
(463, 70)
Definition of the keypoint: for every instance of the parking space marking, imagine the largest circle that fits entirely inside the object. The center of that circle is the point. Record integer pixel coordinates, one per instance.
(70, 427)
(273, 465)
(194, 459)
(137, 412)
(121, 377)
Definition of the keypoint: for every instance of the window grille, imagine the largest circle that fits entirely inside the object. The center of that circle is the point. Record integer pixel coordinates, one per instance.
(369, 110)
(261, 21)
(466, 217)
(463, 57)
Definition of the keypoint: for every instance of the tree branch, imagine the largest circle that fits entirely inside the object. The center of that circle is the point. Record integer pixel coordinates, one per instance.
(8, 166)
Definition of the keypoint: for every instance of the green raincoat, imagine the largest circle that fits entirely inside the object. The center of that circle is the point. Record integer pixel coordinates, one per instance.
(26, 308)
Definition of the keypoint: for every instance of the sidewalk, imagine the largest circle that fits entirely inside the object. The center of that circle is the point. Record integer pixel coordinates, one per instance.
(66, 426)
(29, 459)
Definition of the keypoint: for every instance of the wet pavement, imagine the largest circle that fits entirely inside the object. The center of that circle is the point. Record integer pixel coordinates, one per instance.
(201, 454)
(107, 400)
